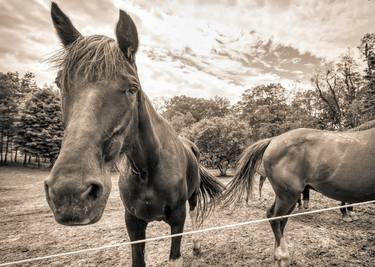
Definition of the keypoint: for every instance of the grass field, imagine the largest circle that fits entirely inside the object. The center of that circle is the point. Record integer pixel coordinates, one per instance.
(28, 229)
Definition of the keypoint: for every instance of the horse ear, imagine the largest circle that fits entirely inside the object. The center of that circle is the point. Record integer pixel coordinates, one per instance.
(127, 36)
(64, 27)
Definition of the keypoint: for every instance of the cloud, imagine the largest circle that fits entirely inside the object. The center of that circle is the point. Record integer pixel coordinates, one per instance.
(197, 48)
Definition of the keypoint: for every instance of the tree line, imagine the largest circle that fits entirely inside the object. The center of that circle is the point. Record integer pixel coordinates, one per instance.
(342, 96)
(30, 120)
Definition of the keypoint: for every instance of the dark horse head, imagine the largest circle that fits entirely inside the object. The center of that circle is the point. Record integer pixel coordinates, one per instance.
(98, 81)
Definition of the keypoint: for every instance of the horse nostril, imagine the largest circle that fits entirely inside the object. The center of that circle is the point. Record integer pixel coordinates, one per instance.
(93, 192)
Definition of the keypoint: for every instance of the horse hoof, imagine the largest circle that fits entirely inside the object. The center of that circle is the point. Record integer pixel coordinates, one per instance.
(282, 263)
(176, 263)
(353, 216)
(282, 256)
(196, 248)
(347, 218)
(196, 251)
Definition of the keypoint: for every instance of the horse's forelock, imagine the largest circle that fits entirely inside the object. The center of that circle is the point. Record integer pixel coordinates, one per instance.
(93, 58)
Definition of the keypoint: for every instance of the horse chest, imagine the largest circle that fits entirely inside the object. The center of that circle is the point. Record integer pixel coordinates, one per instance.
(148, 201)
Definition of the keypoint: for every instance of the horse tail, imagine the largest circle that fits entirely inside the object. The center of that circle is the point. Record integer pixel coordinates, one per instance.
(210, 190)
(242, 182)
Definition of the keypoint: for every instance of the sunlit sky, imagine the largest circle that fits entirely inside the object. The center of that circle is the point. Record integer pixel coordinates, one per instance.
(197, 48)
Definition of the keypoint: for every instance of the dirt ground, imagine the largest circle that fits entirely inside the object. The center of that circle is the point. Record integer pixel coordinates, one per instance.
(28, 229)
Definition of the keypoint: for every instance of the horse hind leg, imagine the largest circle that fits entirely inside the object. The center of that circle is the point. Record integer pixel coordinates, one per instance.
(195, 225)
(351, 212)
(345, 214)
(281, 206)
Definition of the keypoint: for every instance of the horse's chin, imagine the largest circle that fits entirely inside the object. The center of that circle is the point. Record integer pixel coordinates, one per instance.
(83, 222)
(69, 221)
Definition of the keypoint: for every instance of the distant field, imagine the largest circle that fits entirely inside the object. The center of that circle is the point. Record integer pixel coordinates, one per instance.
(27, 229)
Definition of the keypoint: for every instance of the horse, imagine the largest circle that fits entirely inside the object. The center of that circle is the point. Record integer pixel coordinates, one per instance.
(348, 214)
(323, 160)
(109, 120)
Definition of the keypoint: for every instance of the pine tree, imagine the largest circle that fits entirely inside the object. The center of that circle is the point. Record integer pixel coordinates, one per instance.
(8, 111)
(40, 127)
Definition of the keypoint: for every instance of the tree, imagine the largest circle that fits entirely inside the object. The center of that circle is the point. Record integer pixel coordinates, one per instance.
(181, 121)
(8, 111)
(304, 111)
(40, 128)
(338, 86)
(220, 140)
(199, 108)
(264, 109)
(367, 92)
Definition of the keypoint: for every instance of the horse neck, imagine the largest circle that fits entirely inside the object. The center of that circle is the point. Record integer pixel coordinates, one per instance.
(143, 143)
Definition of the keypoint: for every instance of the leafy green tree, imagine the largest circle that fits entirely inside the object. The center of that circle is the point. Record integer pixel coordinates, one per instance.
(199, 108)
(181, 121)
(220, 140)
(264, 109)
(304, 111)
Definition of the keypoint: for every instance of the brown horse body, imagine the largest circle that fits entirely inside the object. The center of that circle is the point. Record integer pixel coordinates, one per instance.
(323, 160)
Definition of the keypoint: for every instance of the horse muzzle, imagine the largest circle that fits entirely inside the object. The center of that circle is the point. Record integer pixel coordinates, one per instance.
(75, 204)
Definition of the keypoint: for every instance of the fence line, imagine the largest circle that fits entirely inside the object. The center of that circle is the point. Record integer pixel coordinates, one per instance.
(183, 234)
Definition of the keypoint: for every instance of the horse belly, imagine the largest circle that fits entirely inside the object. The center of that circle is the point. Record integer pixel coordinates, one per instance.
(352, 181)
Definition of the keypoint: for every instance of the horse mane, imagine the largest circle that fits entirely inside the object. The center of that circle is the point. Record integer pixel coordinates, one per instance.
(364, 126)
(93, 58)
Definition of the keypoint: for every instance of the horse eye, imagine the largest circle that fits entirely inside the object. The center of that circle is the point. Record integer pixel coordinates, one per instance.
(57, 79)
(131, 90)
(57, 82)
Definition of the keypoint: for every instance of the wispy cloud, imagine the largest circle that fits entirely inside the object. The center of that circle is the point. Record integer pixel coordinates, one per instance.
(198, 48)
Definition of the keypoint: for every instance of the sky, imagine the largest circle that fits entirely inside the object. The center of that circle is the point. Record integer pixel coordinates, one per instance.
(197, 48)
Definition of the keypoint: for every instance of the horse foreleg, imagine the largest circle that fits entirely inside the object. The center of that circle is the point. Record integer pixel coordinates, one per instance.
(281, 207)
(195, 225)
(136, 231)
(176, 222)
